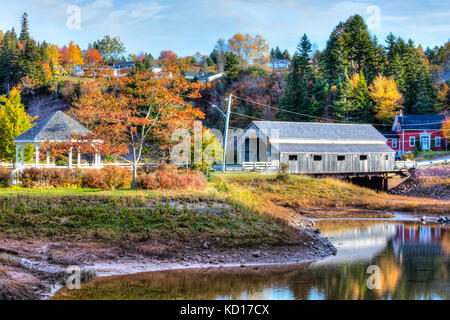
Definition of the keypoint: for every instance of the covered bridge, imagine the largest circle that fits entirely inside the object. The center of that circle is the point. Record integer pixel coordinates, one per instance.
(318, 148)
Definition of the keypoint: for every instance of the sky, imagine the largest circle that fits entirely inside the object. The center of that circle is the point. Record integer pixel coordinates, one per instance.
(188, 26)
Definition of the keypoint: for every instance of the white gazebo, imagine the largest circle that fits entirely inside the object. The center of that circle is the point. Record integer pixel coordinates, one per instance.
(56, 128)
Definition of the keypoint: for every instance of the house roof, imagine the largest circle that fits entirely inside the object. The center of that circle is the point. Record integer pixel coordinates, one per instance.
(334, 148)
(314, 131)
(421, 121)
(57, 127)
(390, 134)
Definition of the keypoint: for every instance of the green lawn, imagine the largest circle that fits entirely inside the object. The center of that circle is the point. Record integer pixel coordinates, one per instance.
(429, 155)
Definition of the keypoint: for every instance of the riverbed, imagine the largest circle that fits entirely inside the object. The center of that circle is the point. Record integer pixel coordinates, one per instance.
(398, 258)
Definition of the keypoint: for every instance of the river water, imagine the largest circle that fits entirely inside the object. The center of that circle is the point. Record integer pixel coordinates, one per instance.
(407, 260)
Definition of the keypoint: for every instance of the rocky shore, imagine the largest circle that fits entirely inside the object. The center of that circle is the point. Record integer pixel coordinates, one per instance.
(32, 269)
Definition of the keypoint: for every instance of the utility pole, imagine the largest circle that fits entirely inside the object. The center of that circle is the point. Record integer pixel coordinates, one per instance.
(225, 138)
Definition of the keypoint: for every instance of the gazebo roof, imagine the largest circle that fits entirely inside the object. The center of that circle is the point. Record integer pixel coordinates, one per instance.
(56, 128)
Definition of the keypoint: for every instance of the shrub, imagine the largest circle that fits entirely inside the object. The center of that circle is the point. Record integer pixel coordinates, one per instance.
(147, 181)
(108, 178)
(169, 177)
(5, 177)
(50, 178)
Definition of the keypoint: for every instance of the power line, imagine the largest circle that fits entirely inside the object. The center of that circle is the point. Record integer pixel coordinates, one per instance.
(321, 118)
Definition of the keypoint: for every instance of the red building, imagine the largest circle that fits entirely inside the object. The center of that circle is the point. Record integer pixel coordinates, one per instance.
(410, 130)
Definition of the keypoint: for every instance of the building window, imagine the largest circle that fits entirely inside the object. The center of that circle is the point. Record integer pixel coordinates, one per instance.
(341, 158)
(394, 143)
(386, 157)
(293, 158)
(437, 141)
(317, 158)
(363, 158)
(412, 141)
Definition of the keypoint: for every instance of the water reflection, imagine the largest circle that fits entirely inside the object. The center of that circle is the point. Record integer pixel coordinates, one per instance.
(413, 258)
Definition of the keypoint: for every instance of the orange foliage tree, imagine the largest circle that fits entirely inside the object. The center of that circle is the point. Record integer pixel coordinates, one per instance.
(138, 108)
(71, 56)
(92, 56)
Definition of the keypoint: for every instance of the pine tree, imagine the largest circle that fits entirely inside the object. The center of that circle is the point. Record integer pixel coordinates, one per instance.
(351, 49)
(13, 122)
(299, 84)
(413, 75)
(24, 33)
(9, 61)
(231, 66)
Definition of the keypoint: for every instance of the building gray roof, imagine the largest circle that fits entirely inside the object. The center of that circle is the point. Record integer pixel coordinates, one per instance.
(312, 130)
(421, 121)
(56, 128)
(333, 148)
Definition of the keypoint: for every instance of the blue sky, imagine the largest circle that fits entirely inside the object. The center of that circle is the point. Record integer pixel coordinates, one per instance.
(187, 26)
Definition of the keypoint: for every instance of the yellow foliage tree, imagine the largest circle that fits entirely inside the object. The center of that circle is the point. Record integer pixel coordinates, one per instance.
(388, 99)
(71, 56)
(53, 54)
(446, 128)
(249, 49)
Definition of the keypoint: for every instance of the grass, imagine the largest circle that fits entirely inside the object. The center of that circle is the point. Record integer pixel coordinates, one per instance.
(253, 209)
(429, 155)
(282, 195)
(125, 215)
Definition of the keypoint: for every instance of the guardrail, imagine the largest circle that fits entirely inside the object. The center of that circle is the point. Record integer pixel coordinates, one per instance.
(408, 164)
(260, 166)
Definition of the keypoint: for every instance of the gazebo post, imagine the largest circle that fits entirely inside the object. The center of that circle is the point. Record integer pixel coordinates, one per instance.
(36, 147)
(48, 157)
(70, 157)
(22, 155)
(17, 155)
(79, 158)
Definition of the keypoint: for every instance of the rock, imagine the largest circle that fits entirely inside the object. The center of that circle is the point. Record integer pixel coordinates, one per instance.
(256, 254)
(10, 251)
(206, 245)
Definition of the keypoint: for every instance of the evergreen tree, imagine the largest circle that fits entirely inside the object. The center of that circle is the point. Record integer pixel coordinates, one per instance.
(29, 62)
(24, 33)
(413, 75)
(299, 84)
(9, 61)
(351, 49)
(286, 55)
(231, 66)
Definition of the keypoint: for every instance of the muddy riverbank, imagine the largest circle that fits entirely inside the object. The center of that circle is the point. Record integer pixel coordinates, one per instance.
(39, 265)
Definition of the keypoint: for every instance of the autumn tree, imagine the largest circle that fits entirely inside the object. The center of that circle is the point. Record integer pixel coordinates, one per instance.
(53, 55)
(110, 48)
(92, 56)
(249, 49)
(71, 56)
(387, 98)
(141, 108)
(13, 122)
(446, 129)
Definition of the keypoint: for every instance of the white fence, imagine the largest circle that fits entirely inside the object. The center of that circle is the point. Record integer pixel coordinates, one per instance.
(408, 164)
(260, 166)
